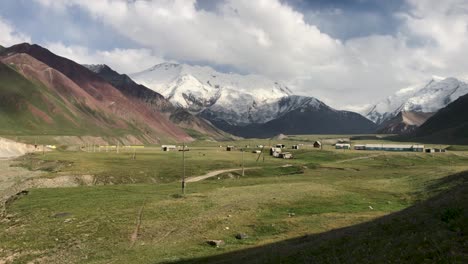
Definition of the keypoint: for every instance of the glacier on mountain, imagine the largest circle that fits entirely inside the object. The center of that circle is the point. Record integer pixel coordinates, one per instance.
(428, 98)
(233, 98)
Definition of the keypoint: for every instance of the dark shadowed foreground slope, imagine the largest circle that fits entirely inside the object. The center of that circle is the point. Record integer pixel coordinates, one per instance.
(433, 231)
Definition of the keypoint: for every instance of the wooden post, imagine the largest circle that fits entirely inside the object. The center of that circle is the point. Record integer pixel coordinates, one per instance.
(243, 163)
(183, 169)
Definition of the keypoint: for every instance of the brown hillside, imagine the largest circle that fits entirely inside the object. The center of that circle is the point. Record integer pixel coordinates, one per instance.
(84, 91)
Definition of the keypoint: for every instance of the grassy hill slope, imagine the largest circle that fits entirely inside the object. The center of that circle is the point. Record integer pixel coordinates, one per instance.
(434, 231)
(96, 107)
(24, 107)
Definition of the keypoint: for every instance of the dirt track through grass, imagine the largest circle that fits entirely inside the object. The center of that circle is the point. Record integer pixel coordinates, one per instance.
(215, 173)
(134, 236)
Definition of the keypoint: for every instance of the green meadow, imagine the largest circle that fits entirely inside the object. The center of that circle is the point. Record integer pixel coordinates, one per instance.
(328, 206)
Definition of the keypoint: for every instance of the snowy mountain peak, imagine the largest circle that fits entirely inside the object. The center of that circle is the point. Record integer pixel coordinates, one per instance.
(438, 78)
(95, 67)
(165, 65)
(237, 98)
(428, 98)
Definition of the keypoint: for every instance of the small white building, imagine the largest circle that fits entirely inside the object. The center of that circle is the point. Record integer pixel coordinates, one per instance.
(275, 150)
(418, 148)
(168, 147)
(359, 147)
(434, 150)
(395, 147)
(342, 146)
(285, 155)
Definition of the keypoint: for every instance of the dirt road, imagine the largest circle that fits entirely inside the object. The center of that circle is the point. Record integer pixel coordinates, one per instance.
(215, 173)
(359, 158)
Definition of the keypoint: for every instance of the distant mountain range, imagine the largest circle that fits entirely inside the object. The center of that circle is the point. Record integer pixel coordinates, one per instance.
(194, 126)
(409, 108)
(48, 94)
(232, 98)
(248, 105)
(42, 93)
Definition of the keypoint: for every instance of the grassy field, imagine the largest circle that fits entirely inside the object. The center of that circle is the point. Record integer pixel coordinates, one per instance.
(136, 214)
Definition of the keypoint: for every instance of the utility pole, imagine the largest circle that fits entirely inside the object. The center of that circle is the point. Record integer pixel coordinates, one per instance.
(260, 154)
(243, 163)
(183, 169)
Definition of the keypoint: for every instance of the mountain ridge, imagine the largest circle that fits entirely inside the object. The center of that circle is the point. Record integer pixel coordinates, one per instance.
(198, 88)
(429, 98)
(448, 126)
(99, 97)
(404, 122)
(246, 105)
(308, 119)
(157, 102)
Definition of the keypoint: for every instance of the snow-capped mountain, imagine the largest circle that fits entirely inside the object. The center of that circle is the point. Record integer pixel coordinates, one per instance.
(233, 98)
(248, 105)
(429, 98)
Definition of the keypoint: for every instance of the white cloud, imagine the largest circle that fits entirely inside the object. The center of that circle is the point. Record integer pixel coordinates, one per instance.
(121, 60)
(9, 36)
(257, 36)
(362, 109)
(270, 38)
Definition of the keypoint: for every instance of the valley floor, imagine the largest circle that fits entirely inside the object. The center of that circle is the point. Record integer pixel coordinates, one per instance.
(133, 211)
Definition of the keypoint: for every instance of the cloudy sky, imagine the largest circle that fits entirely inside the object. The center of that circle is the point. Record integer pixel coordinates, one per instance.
(347, 53)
